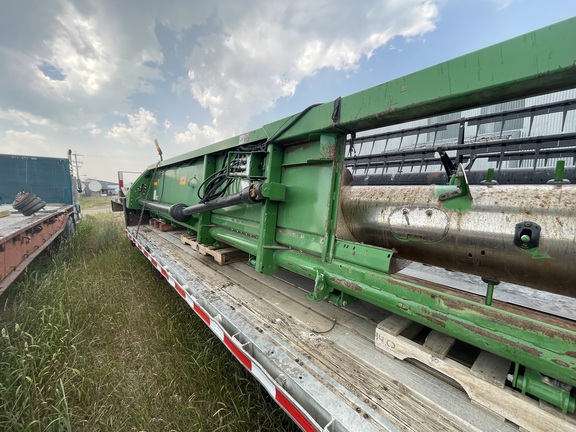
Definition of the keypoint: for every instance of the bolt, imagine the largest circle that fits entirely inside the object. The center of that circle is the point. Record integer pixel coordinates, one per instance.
(405, 211)
(429, 212)
(527, 224)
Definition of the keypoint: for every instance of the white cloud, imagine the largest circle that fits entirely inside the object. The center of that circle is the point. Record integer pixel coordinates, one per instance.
(22, 118)
(196, 136)
(255, 53)
(13, 141)
(140, 130)
(261, 52)
(104, 51)
(501, 4)
(80, 52)
(236, 59)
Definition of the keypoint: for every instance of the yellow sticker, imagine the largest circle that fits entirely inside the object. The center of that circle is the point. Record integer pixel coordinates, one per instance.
(183, 180)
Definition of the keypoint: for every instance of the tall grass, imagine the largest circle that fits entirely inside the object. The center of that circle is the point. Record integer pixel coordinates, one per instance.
(92, 339)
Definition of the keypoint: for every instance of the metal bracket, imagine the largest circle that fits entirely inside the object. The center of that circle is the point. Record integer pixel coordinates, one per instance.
(274, 191)
(341, 299)
(458, 179)
(321, 289)
(527, 235)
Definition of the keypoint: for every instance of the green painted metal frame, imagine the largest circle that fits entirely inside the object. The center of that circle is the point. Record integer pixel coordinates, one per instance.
(295, 227)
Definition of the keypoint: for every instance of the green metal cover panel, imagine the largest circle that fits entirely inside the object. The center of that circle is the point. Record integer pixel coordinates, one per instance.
(48, 178)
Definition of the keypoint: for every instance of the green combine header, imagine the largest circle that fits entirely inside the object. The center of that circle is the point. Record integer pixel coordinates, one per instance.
(400, 197)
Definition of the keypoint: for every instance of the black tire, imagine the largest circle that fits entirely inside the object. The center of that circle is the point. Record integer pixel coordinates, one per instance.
(28, 203)
(22, 200)
(32, 207)
(70, 228)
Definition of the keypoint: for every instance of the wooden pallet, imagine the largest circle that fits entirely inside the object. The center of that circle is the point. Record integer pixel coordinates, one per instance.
(161, 225)
(484, 382)
(222, 255)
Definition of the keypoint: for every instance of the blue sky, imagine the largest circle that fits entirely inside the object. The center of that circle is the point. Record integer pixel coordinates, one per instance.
(105, 78)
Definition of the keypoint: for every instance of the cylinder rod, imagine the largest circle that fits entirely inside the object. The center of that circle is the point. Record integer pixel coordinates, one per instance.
(181, 212)
(248, 195)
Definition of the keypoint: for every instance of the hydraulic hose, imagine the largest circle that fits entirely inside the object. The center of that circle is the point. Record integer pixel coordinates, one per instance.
(181, 212)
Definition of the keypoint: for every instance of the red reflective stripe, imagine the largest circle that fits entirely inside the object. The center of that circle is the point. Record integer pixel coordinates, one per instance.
(294, 412)
(202, 314)
(179, 290)
(121, 183)
(282, 400)
(238, 353)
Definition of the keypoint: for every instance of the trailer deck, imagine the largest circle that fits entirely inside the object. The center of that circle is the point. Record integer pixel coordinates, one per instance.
(22, 238)
(321, 364)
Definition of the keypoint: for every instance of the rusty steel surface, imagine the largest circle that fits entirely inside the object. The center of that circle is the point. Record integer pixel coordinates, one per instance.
(22, 238)
(479, 241)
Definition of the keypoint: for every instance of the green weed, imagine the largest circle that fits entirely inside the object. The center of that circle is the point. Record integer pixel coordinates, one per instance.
(91, 339)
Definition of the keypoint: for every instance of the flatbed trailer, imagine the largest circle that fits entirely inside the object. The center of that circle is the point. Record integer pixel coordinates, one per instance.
(321, 363)
(22, 238)
(431, 219)
(46, 209)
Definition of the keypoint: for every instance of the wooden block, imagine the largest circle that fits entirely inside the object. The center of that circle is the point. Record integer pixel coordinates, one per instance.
(204, 250)
(491, 368)
(226, 256)
(4, 213)
(519, 409)
(161, 226)
(394, 324)
(189, 240)
(438, 343)
(222, 255)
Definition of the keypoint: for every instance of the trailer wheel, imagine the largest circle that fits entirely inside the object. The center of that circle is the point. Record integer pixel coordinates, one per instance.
(70, 228)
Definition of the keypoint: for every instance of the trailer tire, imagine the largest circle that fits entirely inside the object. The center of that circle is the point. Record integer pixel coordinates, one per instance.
(69, 229)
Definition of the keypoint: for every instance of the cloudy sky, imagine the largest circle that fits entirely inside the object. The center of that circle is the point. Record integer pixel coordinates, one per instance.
(105, 77)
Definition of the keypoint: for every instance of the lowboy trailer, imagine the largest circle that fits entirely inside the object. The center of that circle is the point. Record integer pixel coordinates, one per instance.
(440, 224)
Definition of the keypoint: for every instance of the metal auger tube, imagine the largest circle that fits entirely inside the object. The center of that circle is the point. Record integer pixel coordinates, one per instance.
(524, 235)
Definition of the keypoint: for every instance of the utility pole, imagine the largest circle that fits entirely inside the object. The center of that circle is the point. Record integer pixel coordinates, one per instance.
(77, 164)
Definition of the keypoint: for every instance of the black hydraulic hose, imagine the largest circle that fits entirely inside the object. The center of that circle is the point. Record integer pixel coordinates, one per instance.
(181, 213)
(290, 124)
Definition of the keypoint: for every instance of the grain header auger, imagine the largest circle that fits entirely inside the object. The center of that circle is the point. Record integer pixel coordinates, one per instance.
(483, 191)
